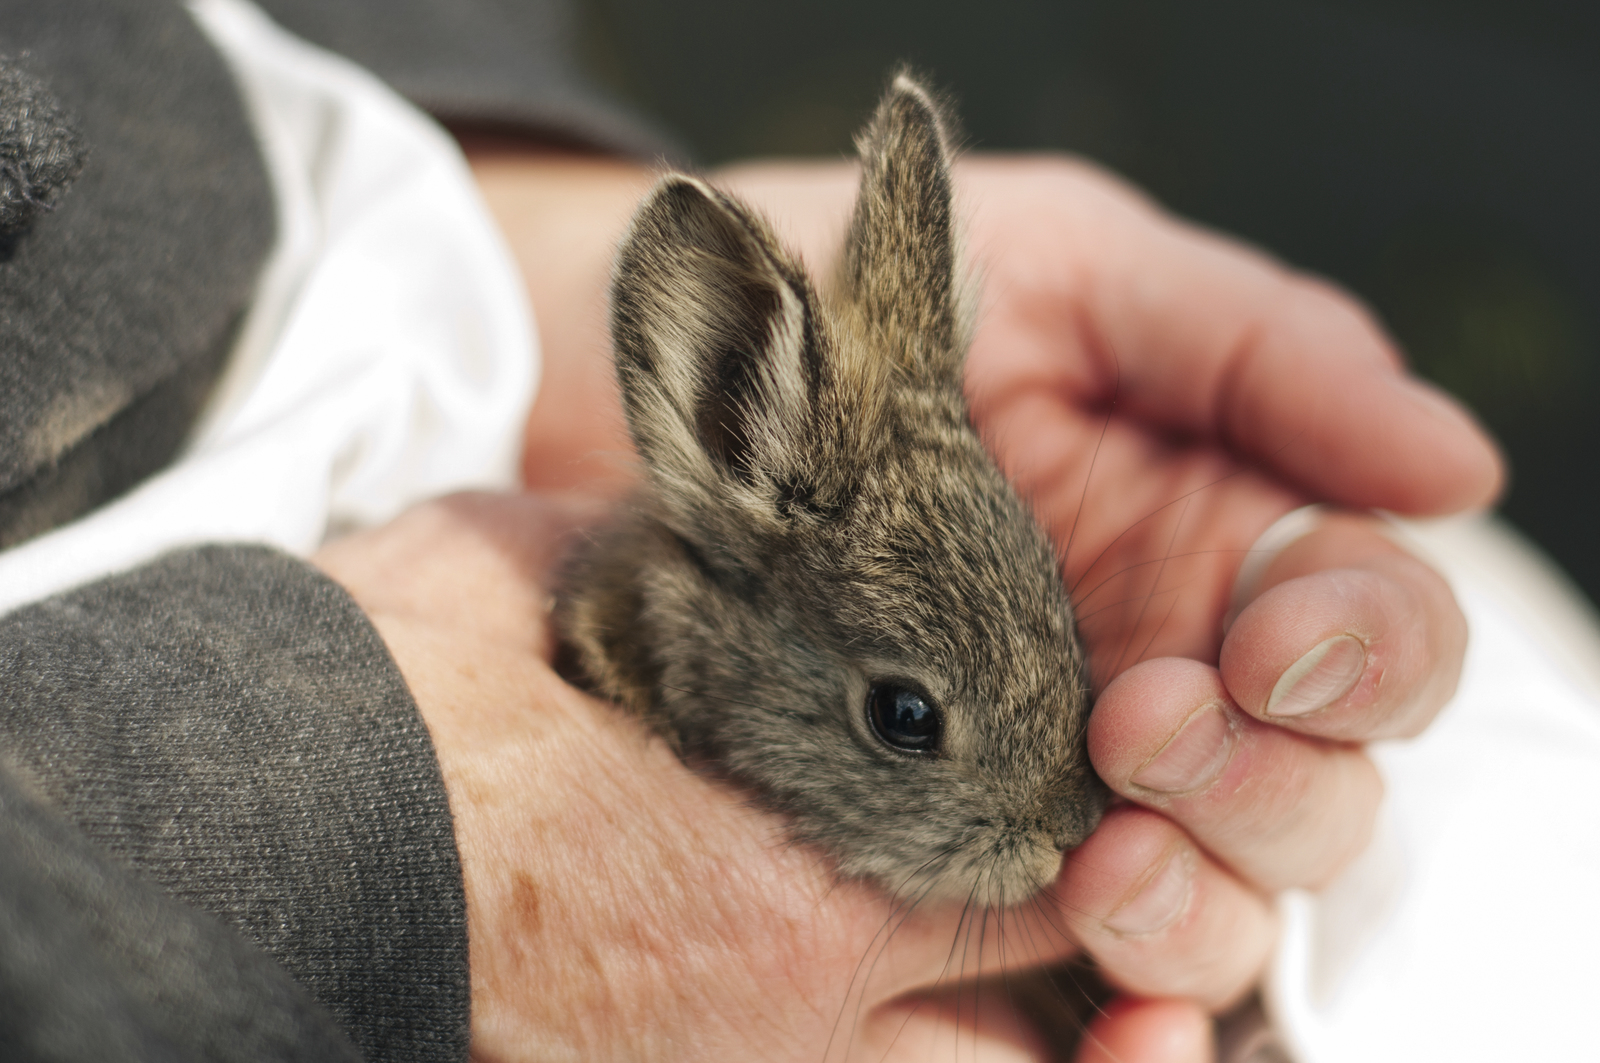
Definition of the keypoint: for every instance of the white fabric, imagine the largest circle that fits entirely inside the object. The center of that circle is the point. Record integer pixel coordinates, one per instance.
(1470, 929)
(389, 356)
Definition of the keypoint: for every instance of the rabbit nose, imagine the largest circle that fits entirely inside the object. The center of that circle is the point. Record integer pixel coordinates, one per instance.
(1078, 814)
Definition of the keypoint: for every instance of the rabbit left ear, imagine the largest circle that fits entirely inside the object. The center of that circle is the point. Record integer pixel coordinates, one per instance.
(716, 348)
(899, 267)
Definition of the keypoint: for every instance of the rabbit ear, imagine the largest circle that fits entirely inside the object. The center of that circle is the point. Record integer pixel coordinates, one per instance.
(900, 258)
(716, 349)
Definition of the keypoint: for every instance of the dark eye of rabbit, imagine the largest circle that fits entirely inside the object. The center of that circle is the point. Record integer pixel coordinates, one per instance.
(904, 718)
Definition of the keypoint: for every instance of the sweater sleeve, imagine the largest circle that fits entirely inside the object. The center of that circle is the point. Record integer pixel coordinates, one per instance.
(100, 964)
(225, 724)
(119, 300)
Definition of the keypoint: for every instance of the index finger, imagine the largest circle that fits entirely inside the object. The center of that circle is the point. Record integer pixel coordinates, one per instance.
(1195, 333)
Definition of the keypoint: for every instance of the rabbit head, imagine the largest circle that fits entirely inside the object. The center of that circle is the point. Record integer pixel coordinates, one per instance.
(826, 590)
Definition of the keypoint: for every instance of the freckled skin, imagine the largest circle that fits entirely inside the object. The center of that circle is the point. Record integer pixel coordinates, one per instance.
(820, 518)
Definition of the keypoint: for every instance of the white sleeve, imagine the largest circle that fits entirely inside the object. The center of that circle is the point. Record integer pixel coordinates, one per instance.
(1469, 929)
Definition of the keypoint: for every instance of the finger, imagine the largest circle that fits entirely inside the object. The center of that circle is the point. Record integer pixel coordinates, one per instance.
(1349, 637)
(1160, 916)
(1204, 336)
(1134, 1030)
(1278, 808)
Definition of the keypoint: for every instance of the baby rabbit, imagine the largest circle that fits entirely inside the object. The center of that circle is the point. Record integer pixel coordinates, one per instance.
(826, 590)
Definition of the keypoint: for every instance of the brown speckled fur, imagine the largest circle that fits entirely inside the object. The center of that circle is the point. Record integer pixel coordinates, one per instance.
(820, 515)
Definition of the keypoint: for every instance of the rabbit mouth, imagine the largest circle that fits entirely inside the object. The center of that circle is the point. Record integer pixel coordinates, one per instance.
(1010, 872)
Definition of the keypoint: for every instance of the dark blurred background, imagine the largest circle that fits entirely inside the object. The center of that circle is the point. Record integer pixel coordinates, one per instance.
(1438, 157)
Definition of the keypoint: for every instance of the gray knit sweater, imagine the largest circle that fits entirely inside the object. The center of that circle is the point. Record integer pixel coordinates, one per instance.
(223, 834)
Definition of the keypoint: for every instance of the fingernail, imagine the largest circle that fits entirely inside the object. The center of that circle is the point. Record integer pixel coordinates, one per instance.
(1320, 678)
(1193, 757)
(1160, 902)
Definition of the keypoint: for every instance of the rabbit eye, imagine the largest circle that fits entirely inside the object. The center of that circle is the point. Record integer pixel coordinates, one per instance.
(905, 719)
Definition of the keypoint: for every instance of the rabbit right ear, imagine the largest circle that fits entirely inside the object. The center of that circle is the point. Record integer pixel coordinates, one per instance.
(717, 351)
(900, 262)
